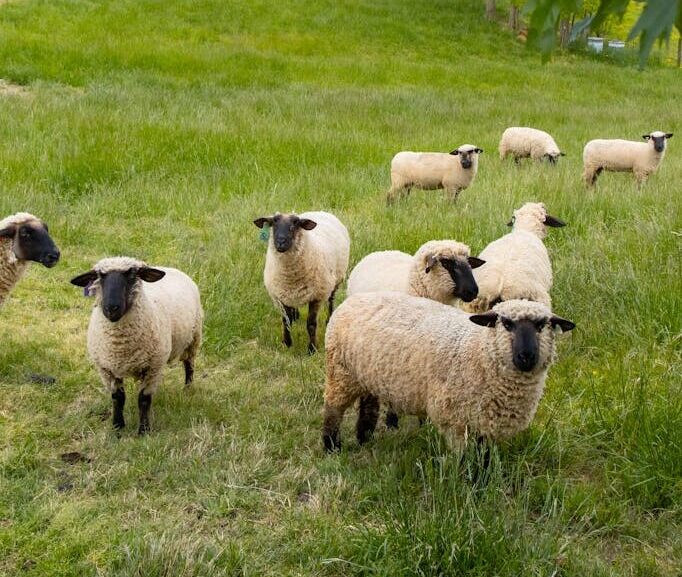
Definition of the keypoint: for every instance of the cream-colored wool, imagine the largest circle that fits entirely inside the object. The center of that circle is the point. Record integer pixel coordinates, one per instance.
(12, 268)
(313, 267)
(392, 270)
(524, 142)
(424, 358)
(517, 265)
(619, 155)
(431, 170)
(163, 324)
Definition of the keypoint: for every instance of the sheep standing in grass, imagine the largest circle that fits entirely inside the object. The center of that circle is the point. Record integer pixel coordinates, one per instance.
(439, 270)
(432, 170)
(23, 238)
(306, 261)
(640, 158)
(143, 319)
(428, 359)
(523, 142)
(517, 265)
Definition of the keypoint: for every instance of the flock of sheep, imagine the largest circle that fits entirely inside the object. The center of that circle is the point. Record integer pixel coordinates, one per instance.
(464, 340)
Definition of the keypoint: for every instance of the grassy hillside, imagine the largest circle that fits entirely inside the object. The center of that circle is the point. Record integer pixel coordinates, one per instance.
(160, 129)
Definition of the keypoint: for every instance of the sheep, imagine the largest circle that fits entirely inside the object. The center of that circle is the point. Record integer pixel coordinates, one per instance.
(432, 170)
(517, 265)
(524, 142)
(306, 262)
(23, 238)
(419, 275)
(143, 319)
(428, 359)
(640, 158)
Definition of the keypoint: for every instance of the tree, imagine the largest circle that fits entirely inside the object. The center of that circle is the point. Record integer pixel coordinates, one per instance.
(490, 9)
(655, 23)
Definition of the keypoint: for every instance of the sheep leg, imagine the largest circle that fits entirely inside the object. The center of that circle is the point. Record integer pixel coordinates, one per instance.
(290, 315)
(391, 419)
(331, 435)
(453, 192)
(313, 307)
(189, 371)
(330, 304)
(118, 398)
(397, 192)
(150, 382)
(367, 418)
(340, 391)
(641, 178)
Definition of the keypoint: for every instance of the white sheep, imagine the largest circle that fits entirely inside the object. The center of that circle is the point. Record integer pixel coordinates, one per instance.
(432, 170)
(517, 264)
(428, 359)
(143, 318)
(640, 158)
(306, 261)
(525, 142)
(439, 270)
(23, 238)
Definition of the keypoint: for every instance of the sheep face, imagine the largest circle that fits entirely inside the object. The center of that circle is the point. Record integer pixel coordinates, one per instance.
(533, 216)
(658, 139)
(117, 288)
(553, 158)
(285, 228)
(524, 333)
(32, 241)
(467, 155)
(463, 283)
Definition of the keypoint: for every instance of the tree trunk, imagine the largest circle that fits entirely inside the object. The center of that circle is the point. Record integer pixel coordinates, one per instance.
(564, 32)
(679, 52)
(513, 17)
(490, 9)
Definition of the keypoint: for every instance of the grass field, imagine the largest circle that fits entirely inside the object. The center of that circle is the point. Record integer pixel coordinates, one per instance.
(160, 129)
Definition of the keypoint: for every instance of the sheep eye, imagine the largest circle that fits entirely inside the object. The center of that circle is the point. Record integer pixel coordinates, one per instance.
(539, 325)
(25, 233)
(507, 324)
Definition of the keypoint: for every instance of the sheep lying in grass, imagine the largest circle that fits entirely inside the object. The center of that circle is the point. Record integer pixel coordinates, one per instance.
(306, 261)
(439, 270)
(432, 170)
(480, 375)
(524, 142)
(143, 319)
(23, 238)
(517, 265)
(640, 158)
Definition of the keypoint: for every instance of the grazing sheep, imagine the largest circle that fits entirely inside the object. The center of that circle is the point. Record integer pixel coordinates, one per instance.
(524, 142)
(432, 170)
(428, 359)
(517, 265)
(640, 158)
(439, 270)
(23, 238)
(306, 261)
(143, 319)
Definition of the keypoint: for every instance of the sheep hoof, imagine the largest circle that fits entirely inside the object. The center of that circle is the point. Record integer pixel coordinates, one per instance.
(391, 420)
(312, 349)
(332, 443)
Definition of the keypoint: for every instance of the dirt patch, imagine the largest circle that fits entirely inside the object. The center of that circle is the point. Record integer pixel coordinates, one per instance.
(10, 89)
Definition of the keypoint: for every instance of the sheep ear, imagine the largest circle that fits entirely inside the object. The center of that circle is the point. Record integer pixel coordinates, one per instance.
(307, 224)
(8, 232)
(565, 325)
(430, 263)
(84, 279)
(478, 150)
(262, 221)
(485, 320)
(475, 262)
(149, 274)
(455, 152)
(646, 136)
(553, 221)
(669, 135)
(511, 222)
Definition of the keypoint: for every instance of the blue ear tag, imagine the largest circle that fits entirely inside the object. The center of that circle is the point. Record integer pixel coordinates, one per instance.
(264, 233)
(87, 291)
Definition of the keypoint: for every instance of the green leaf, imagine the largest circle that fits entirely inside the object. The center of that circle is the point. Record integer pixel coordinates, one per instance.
(655, 23)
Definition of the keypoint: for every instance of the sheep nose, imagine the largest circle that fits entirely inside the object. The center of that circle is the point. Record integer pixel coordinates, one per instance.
(112, 310)
(526, 360)
(51, 259)
(468, 296)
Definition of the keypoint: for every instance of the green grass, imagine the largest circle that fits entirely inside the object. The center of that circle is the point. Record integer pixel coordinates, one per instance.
(160, 129)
